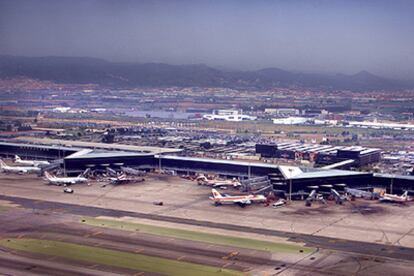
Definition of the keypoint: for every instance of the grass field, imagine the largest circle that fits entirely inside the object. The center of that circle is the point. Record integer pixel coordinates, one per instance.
(198, 236)
(114, 258)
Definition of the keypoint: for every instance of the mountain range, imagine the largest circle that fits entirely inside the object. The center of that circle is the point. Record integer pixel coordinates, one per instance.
(123, 75)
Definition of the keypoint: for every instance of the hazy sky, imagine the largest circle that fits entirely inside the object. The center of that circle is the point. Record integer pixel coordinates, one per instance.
(309, 35)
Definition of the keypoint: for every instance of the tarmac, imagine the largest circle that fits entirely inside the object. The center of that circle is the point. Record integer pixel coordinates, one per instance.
(362, 236)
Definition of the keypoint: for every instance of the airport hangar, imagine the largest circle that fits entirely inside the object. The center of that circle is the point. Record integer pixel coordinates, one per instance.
(99, 156)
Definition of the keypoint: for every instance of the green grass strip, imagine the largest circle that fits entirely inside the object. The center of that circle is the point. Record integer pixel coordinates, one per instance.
(114, 258)
(198, 236)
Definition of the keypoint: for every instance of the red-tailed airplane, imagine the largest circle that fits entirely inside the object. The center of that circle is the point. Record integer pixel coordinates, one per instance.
(36, 163)
(241, 200)
(124, 179)
(395, 198)
(203, 180)
(52, 179)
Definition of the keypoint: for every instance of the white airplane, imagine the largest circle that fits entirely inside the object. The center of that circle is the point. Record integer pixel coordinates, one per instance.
(16, 169)
(395, 198)
(241, 200)
(203, 180)
(35, 163)
(124, 179)
(52, 179)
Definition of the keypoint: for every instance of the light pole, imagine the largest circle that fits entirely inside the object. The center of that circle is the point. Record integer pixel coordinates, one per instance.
(159, 163)
(290, 184)
(249, 171)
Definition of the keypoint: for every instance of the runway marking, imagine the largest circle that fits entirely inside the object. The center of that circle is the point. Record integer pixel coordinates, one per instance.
(139, 251)
(94, 266)
(20, 236)
(139, 274)
(180, 258)
(226, 265)
(86, 235)
(52, 258)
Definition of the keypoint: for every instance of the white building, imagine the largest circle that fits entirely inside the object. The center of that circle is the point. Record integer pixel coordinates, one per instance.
(61, 109)
(378, 125)
(282, 111)
(228, 115)
(290, 121)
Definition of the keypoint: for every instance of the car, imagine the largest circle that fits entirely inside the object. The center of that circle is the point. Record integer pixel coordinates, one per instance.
(279, 203)
(68, 190)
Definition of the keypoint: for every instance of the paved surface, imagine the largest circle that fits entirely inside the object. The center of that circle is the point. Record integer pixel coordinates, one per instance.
(388, 251)
(362, 237)
(362, 220)
(53, 225)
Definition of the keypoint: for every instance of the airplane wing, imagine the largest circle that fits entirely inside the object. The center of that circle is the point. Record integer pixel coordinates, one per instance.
(242, 201)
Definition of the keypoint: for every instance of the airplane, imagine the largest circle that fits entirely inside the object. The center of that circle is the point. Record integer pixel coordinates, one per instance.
(395, 198)
(123, 179)
(35, 163)
(132, 171)
(202, 180)
(358, 193)
(241, 200)
(52, 179)
(16, 169)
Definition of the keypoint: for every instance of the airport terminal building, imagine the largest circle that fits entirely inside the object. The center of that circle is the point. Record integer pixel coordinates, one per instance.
(76, 160)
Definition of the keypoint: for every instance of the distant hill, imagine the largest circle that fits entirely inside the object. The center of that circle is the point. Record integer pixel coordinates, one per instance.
(92, 70)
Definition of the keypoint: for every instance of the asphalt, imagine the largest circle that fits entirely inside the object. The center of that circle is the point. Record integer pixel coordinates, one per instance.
(365, 248)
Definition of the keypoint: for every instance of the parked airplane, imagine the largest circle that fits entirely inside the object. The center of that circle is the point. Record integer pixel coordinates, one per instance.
(16, 169)
(241, 200)
(35, 163)
(203, 180)
(132, 171)
(52, 179)
(395, 198)
(357, 193)
(123, 179)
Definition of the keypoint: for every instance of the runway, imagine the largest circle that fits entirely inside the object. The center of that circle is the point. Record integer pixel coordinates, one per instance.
(355, 247)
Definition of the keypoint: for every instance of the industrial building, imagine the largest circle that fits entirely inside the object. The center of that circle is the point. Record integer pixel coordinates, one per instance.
(321, 154)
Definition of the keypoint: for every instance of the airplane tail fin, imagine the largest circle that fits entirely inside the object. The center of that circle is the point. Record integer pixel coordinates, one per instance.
(17, 158)
(2, 164)
(216, 194)
(48, 175)
(405, 194)
(202, 179)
